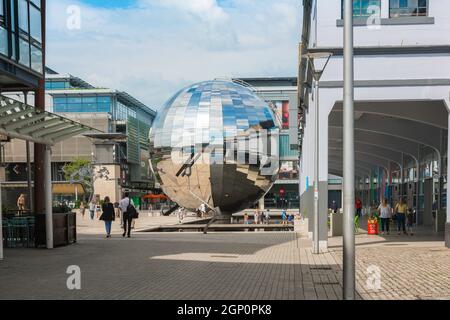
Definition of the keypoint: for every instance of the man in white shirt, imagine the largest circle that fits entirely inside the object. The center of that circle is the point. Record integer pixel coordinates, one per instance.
(127, 218)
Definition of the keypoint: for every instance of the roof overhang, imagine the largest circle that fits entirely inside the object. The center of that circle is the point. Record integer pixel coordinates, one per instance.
(22, 121)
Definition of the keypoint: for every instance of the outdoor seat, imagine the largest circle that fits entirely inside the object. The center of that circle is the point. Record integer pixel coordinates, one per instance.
(20, 231)
(7, 233)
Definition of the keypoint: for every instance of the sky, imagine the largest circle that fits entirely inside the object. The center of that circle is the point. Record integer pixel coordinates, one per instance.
(153, 48)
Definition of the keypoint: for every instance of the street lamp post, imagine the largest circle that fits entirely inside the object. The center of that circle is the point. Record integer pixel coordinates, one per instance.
(317, 74)
(349, 157)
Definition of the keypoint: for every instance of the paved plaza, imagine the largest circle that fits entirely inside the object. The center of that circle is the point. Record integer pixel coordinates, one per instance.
(245, 265)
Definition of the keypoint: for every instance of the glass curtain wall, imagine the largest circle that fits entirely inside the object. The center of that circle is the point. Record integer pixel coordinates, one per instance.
(20, 32)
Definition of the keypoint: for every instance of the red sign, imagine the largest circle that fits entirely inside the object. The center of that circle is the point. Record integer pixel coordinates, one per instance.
(372, 227)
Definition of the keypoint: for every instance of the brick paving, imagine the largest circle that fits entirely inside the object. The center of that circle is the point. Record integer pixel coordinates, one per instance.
(246, 265)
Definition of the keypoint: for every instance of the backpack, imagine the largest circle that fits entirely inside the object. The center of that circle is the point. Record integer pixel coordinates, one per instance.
(131, 210)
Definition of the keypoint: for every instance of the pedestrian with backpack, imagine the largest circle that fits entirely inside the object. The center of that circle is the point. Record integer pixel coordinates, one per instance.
(128, 212)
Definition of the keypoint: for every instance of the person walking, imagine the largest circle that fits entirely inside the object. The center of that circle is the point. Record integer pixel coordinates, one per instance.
(256, 216)
(245, 218)
(82, 209)
(385, 215)
(284, 217)
(108, 215)
(127, 216)
(180, 215)
(98, 209)
(334, 206)
(410, 217)
(358, 206)
(400, 215)
(92, 209)
(267, 216)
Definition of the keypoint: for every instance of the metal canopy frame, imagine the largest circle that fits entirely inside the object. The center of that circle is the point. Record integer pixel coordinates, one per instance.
(22, 121)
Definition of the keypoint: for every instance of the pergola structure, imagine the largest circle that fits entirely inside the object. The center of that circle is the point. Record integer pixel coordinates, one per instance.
(22, 121)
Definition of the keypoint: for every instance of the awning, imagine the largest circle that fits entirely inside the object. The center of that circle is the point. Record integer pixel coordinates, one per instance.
(155, 196)
(67, 188)
(22, 121)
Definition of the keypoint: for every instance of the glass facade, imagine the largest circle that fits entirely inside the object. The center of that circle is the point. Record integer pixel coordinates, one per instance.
(218, 129)
(408, 8)
(82, 104)
(20, 33)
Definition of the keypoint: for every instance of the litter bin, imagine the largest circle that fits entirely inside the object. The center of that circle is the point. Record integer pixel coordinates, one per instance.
(372, 226)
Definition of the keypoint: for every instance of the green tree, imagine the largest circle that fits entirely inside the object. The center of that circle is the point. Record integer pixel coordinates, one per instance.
(79, 171)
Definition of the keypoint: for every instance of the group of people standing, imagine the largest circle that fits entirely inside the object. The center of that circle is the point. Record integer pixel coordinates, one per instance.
(107, 212)
(400, 213)
(263, 216)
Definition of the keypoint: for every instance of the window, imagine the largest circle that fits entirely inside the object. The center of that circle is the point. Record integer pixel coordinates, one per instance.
(23, 15)
(408, 8)
(364, 8)
(81, 104)
(36, 59)
(57, 85)
(2, 11)
(3, 41)
(35, 24)
(24, 48)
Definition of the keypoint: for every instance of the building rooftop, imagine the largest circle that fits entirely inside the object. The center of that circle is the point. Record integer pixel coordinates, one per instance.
(81, 87)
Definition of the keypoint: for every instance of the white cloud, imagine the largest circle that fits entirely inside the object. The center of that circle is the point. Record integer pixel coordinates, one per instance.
(155, 48)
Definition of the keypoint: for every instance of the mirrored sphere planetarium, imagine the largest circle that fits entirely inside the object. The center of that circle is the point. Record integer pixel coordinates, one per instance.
(215, 142)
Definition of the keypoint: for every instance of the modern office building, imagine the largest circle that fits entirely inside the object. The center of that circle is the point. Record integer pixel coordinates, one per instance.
(122, 151)
(20, 44)
(402, 91)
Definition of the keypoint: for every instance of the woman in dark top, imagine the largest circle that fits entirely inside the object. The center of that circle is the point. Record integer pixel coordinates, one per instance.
(108, 215)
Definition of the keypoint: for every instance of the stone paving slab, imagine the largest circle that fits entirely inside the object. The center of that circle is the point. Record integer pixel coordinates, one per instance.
(245, 265)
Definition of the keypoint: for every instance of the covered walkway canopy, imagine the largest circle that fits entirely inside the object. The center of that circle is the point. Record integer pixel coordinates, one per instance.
(25, 122)
(394, 139)
(22, 121)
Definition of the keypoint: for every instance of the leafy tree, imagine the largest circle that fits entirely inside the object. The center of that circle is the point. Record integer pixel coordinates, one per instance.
(79, 171)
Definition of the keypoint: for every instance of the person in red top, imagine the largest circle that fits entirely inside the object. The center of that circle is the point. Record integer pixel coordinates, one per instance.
(358, 205)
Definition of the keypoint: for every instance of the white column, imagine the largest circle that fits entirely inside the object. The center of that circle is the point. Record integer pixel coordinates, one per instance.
(447, 226)
(48, 196)
(448, 172)
(1, 224)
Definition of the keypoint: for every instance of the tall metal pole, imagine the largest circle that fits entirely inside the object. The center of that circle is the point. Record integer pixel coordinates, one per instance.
(316, 168)
(30, 188)
(48, 197)
(39, 149)
(349, 156)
